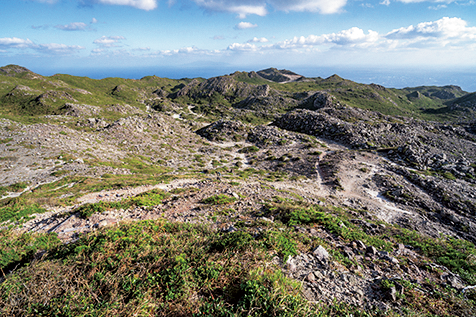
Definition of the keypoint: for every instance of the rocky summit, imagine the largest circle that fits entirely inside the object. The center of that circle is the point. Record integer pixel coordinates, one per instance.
(250, 194)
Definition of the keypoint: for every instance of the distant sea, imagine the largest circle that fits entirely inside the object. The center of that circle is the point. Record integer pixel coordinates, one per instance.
(390, 78)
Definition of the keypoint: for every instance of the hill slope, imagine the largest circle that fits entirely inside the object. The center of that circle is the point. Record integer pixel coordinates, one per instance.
(236, 195)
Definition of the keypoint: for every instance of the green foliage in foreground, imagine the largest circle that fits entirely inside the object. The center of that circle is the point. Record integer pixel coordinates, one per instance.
(154, 268)
(157, 268)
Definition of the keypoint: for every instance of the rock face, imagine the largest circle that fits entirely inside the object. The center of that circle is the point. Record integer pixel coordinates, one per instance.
(224, 131)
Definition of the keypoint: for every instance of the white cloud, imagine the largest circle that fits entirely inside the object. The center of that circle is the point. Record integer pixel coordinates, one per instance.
(14, 42)
(445, 28)
(242, 47)
(321, 6)
(258, 40)
(75, 26)
(139, 4)
(50, 48)
(245, 25)
(94, 20)
(351, 37)
(109, 41)
(259, 7)
(240, 7)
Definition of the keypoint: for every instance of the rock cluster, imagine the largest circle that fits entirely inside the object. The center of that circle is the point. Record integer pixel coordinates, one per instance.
(412, 143)
(224, 131)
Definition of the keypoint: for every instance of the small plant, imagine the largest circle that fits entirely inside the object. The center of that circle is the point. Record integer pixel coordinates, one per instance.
(220, 199)
(87, 210)
(249, 149)
(449, 175)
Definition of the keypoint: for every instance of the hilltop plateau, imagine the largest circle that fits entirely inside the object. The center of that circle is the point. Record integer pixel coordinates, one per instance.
(250, 194)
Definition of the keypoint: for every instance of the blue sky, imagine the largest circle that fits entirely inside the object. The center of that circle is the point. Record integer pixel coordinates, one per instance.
(52, 36)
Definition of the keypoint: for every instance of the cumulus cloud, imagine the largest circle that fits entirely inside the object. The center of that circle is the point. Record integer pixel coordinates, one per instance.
(94, 20)
(14, 42)
(245, 25)
(351, 37)
(242, 47)
(183, 51)
(258, 40)
(444, 28)
(75, 26)
(109, 41)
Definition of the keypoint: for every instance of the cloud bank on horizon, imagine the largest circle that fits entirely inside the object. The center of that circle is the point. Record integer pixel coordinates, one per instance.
(381, 33)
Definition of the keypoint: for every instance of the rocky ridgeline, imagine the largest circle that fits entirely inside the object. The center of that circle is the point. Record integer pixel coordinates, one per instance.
(413, 143)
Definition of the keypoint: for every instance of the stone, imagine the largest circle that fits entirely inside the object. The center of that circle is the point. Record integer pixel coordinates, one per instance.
(313, 232)
(310, 277)
(360, 245)
(391, 294)
(321, 254)
(370, 251)
(453, 281)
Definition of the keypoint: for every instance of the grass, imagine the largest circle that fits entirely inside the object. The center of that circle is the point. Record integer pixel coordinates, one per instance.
(147, 199)
(220, 199)
(162, 269)
(19, 248)
(159, 268)
(153, 268)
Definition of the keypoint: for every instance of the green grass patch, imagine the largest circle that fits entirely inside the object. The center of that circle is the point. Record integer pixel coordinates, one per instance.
(220, 199)
(147, 199)
(19, 248)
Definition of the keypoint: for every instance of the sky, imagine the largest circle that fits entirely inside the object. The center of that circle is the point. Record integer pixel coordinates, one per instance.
(189, 38)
